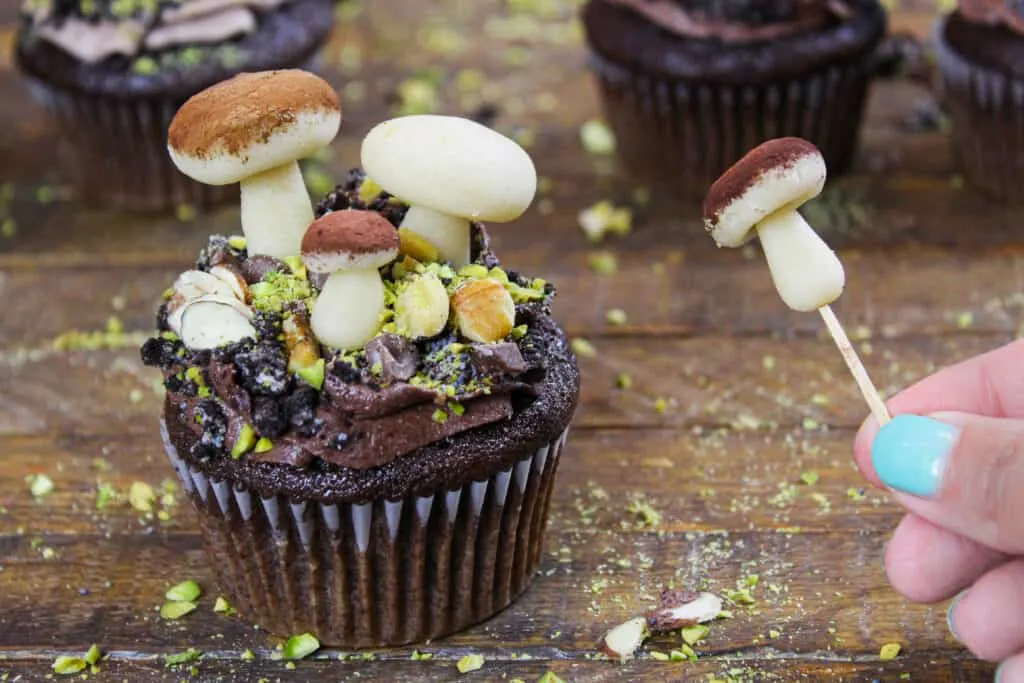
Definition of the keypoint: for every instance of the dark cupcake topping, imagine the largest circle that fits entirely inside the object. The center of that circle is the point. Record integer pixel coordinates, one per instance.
(281, 398)
(1007, 13)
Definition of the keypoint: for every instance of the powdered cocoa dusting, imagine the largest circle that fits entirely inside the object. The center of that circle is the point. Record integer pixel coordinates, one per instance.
(247, 109)
(777, 154)
(350, 231)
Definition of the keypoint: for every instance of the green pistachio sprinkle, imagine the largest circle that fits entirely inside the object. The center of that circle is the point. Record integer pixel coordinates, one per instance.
(40, 485)
(624, 381)
(237, 242)
(93, 654)
(222, 606)
(186, 213)
(889, 651)
(297, 266)
(519, 331)
(141, 496)
(368, 190)
(809, 477)
(694, 634)
(549, 677)
(176, 609)
(660, 405)
(301, 646)
(615, 316)
(418, 656)
(186, 591)
(105, 493)
(187, 657)
(245, 441)
(583, 348)
(439, 416)
(457, 408)
(597, 137)
(659, 656)
(145, 66)
(470, 663)
(248, 656)
(65, 665)
(263, 445)
(603, 263)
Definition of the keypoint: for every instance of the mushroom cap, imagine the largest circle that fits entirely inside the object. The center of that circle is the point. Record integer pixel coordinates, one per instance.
(452, 165)
(785, 172)
(251, 123)
(349, 240)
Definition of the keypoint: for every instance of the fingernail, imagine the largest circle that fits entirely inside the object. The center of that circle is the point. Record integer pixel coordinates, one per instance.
(909, 453)
(950, 621)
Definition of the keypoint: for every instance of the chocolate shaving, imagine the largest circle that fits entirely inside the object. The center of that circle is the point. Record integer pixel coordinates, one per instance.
(255, 268)
(396, 354)
(498, 358)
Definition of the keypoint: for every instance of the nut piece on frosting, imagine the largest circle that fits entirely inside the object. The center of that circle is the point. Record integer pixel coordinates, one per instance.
(484, 310)
(213, 320)
(761, 194)
(252, 129)
(349, 246)
(450, 170)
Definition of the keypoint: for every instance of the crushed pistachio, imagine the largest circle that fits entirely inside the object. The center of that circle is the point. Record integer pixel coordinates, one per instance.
(245, 441)
(603, 263)
(418, 656)
(615, 316)
(222, 606)
(647, 516)
(549, 677)
(660, 405)
(659, 656)
(604, 218)
(597, 137)
(93, 654)
(237, 242)
(583, 348)
(65, 665)
(439, 416)
(810, 477)
(470, 663)
(277, 288)
(187, 657)
(39, 485)
(889, 651)
(141, 496)
(8, 228)
(145, 66)
(624, 380)
(693, 634)
(186, 591)
(301, 646)
(263, 445)
(247, 656)
(772, 633)
(856, 495)
(176, 610)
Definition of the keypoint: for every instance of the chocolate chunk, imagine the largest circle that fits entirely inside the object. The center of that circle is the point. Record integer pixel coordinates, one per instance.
(255, 268)
(503, 358)
(396, 354)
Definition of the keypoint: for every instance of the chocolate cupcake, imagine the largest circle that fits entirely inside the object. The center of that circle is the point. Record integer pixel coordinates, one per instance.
(980, 50)
(368, 427)
(689, 85)
(112, 74)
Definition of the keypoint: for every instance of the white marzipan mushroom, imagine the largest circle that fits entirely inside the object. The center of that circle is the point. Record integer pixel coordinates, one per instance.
(350, 246)
(451, 171)
(760, 195)
(252, 129)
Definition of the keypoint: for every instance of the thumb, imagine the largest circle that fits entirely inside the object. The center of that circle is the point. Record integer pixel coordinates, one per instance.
(962, 472)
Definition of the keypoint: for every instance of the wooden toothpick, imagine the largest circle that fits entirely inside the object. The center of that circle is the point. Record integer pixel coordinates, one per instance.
(860, 375)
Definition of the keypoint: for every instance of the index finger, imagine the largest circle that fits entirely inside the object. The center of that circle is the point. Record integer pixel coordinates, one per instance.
(991, 385)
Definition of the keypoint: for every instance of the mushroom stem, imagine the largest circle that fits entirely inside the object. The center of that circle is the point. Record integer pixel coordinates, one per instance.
(347, 312)
(275, 211)
(449, 234)
(806, 272)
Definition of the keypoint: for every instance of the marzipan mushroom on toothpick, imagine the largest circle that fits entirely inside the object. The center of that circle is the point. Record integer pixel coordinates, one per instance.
(759, 196)
(451, 171)
(350, 246)
(251, 130)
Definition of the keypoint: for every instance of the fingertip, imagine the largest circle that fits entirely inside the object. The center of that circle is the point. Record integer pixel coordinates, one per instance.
(862, 450)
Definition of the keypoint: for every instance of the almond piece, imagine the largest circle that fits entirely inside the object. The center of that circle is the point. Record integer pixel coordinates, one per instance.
(679, 610)
(191, 285)
(625, 639)
(416, 246)
(211, 321)
(235, 280)
(421, 309)
(484, 310)
(303, 351)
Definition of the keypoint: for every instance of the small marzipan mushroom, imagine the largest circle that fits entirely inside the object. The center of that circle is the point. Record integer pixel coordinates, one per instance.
(759, 195)
(451, 171)
(349, 246)
(252, 129)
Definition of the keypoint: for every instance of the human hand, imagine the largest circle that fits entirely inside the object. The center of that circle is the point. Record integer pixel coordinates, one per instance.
(954, 457)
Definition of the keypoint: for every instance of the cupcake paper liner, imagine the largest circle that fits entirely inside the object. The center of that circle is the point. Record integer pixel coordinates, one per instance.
(686, 134)
(117, 151)
(987, 111)
(379, 573)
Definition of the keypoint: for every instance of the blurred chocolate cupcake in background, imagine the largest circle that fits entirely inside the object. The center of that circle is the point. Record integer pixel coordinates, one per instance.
(980, 49)
(113, 72)
(688, 86)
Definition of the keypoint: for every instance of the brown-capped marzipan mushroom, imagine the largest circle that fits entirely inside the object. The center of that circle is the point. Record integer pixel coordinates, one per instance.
(350, 246)
(759, 195)
(451, 171)
(252, 129)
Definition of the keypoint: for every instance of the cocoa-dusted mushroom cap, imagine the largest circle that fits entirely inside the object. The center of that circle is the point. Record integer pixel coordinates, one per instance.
(251, 123)
(347, 240)
(780, 173)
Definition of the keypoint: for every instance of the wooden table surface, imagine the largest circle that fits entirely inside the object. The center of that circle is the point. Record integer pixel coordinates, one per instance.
(755, 398)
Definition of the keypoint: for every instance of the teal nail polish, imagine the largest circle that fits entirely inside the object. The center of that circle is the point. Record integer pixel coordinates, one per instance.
(909, 453)
(950, 621)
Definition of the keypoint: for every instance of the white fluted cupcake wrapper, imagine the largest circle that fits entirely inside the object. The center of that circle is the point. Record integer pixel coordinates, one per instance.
(377, 573)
